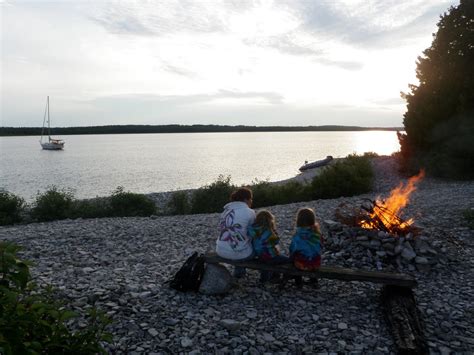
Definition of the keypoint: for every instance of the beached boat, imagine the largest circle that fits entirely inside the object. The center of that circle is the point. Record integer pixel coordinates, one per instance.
(316, 164)
(51, 143)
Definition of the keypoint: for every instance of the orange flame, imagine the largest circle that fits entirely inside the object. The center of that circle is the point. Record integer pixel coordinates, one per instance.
(386, 212)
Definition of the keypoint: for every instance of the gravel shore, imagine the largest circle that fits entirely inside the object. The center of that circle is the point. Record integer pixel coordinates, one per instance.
(121, 265)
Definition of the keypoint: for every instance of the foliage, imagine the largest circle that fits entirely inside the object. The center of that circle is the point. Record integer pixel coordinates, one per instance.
(439, 121)
(179, 203)
(469, 217)
(267, 194)
(93, 208)
(211, 198)
(52, 205)
(352, 176)
(129, 204)
(11, 207)
(33, 322)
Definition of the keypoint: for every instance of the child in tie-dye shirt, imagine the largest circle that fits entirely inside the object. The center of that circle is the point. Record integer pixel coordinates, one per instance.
(265, 242)
(305, 247)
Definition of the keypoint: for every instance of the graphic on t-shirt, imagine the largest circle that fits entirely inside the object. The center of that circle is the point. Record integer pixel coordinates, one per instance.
(230, 232)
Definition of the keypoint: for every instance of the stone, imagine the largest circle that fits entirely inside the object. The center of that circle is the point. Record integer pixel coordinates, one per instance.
(268, 337)
(153, 332)
(216, 280)
(251, 314)
(408, 254)
(186, 342)
(342, 326)
(230, 324)
(421, 260)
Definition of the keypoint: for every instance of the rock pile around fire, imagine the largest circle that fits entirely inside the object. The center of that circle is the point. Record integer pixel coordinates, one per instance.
(371, 249)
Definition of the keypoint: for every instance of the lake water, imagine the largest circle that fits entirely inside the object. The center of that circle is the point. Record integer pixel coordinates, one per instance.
(94, 165)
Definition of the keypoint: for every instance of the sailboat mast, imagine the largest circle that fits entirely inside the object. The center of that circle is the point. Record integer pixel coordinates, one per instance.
(49, 126)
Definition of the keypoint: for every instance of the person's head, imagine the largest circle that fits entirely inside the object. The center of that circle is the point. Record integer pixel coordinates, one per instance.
(243, 194)
(305, 218)
(265, 220)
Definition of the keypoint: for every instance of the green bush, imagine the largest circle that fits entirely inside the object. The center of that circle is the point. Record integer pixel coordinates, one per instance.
(268, 194)
(469, 217)
(179, 203)
(52, 205)
(348, 177)
(32, 321)
(11, 207)
(94, 208)
(211, 198)
(129, 204)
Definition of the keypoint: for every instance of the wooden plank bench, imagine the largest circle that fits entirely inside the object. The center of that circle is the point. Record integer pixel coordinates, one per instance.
(325, 272)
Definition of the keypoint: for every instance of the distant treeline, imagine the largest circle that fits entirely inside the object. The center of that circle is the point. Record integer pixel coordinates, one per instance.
(174, 128)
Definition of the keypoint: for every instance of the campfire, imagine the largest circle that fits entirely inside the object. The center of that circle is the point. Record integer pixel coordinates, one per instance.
(383, 214)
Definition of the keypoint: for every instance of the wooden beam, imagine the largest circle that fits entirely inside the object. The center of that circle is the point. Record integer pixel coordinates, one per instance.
(325, 272)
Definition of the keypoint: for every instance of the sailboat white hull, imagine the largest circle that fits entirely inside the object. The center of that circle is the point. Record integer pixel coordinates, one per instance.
(52, 143)
(52, 146)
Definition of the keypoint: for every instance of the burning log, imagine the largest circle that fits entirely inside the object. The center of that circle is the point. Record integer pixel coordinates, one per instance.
(383, 215)
(383, 219)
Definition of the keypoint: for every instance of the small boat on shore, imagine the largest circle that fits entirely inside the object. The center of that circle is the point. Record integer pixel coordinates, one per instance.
(51, 144)
(316, 164)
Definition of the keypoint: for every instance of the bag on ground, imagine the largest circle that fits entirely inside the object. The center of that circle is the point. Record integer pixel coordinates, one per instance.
(189, 276)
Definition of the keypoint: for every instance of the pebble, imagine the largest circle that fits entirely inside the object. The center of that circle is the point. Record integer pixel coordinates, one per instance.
(122, 264)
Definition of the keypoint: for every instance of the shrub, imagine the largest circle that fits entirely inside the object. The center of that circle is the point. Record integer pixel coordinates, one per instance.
(33, 322)
(93, 208)
(211, 198)
(348, 177)
(53, 204)
(129, 204)
(179, 203)
(469, 217)
(267, 194)
(11, 207)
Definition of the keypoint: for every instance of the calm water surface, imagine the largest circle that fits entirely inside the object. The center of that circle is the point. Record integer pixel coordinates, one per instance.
(94, 165)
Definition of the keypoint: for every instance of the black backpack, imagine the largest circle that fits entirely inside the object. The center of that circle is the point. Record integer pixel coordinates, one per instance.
(189, 276)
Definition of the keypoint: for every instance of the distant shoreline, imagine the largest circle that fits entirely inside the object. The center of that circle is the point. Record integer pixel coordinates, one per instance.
(143, 129)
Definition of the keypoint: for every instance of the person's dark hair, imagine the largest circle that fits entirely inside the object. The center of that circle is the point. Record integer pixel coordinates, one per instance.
(242, 194)
(305, 218)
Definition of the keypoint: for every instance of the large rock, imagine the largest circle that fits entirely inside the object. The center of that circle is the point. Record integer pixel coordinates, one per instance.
(216, 280)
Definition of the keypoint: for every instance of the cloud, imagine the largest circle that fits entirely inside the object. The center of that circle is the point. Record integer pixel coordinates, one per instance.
(179, 70)
(256, 97)
(157, 18)
(373, 23)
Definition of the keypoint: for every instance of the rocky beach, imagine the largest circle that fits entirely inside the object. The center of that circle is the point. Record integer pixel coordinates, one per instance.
(121, 265)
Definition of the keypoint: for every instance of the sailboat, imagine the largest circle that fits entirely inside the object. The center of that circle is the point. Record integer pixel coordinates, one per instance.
(51, 144)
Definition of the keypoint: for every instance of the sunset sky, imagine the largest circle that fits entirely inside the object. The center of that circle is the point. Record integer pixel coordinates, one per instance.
(294, 62)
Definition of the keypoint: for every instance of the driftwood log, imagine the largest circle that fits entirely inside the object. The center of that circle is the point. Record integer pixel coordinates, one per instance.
(324, 272)
(404, 320)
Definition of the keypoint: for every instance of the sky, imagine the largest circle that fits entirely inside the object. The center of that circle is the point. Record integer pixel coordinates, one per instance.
(263, 63)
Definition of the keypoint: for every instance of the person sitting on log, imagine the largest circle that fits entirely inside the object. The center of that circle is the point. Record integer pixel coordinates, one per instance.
(305, 247)
(265, 242)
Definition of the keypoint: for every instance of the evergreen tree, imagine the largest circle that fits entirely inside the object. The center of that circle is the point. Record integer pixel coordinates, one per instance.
(439, 121)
